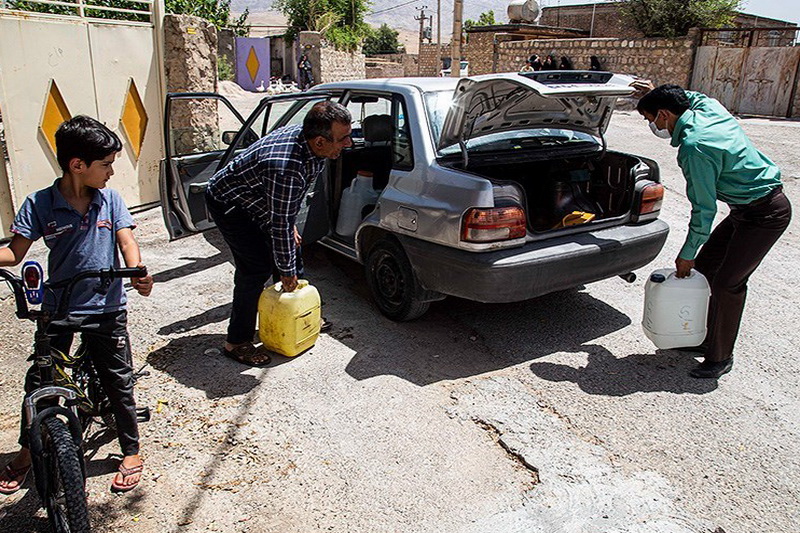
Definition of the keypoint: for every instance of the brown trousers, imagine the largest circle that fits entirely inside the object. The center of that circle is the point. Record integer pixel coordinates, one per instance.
(734, 250)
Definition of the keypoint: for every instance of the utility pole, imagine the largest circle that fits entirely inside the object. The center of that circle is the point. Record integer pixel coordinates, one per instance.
(421, 18)
(439, 25)
(455, 44)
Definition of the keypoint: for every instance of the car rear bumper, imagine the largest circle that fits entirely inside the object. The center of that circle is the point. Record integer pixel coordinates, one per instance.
(537, 268)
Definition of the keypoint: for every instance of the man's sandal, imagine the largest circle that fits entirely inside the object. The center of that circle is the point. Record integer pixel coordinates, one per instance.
(127, 472)
(247, 354)
(15, 474)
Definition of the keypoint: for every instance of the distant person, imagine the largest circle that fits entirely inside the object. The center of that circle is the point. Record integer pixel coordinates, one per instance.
(594, 63)
(536, 62)
(527, 67)
(720, 164)
(305, 73)
(566, 64)
(550, 63)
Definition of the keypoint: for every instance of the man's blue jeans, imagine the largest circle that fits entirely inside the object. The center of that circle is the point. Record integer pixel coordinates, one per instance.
(251, 249)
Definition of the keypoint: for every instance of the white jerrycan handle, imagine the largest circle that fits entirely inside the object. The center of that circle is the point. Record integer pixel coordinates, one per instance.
(673, 275)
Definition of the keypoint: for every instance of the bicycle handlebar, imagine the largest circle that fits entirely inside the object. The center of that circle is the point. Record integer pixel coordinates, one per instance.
(68, 285)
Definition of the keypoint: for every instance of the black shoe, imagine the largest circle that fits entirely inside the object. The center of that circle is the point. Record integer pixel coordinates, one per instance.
(694, 349)
(712, 370)
(324, 325)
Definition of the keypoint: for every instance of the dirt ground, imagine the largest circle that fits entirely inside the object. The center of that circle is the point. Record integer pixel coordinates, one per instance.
(553, 415)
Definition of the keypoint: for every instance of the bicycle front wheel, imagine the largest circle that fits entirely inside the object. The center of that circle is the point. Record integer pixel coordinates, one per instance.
(65, 500)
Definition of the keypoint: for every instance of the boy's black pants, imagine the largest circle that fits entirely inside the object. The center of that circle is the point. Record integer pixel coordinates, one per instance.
(108, 345)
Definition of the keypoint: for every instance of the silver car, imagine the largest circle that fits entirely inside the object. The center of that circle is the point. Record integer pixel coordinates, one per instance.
(494, 188)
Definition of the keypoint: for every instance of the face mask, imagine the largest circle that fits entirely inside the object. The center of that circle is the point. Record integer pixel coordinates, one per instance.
(663, 134)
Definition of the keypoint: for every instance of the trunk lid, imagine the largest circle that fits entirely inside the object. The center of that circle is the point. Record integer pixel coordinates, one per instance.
(493, 103)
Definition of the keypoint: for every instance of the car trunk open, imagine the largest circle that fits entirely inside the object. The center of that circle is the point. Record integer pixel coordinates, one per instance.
(600, 187)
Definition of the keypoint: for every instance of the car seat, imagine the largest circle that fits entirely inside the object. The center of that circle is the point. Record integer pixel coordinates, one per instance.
(376, 156)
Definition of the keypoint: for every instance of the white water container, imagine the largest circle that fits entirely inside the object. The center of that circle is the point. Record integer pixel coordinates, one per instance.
(675, 309)
(354, 199)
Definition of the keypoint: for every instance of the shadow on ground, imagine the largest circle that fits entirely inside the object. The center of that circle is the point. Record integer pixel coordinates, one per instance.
(607, 375)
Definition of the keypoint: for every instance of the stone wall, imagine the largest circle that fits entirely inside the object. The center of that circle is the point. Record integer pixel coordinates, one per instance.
(410, 62)
(481, 53)
(190, 65)
(329, 64)
(660, 60)
(380, 68)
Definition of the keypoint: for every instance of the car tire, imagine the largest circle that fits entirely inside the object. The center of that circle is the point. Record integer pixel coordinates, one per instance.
(392, 282)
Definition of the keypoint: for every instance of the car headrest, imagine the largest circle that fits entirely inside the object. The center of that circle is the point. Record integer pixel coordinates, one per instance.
(377, 128)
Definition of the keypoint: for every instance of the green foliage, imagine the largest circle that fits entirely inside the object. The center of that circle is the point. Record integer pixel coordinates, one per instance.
(382, 41)
(674, 18)
(484, 19)
(224, 68)
(343, 26)
(217, 12)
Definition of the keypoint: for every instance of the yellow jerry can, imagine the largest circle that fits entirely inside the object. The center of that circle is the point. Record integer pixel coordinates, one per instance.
(288, 322)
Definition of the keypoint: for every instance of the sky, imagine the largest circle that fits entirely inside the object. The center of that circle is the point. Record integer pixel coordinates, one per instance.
(788, 10)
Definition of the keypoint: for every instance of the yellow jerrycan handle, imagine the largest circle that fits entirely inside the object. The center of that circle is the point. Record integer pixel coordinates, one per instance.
(301, 283)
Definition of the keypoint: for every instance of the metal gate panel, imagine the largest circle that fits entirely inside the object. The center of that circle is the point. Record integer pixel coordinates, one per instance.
(32, 52)
(122, 54)
(703, 72)
(768, 80)
(728, 76)
(252, 63)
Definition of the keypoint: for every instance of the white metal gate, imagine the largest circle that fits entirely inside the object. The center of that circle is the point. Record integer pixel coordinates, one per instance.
(53, 67)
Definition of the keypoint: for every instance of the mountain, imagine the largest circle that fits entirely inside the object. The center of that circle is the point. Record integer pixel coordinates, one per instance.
(397, 15)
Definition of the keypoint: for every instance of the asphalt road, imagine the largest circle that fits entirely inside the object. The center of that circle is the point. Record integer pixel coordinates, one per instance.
(553, 415)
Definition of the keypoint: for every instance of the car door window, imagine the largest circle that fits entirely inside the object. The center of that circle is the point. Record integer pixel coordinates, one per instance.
(203, 125)
(402, 153)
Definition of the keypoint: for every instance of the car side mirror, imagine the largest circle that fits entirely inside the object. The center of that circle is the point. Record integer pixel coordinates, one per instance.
(228, 137)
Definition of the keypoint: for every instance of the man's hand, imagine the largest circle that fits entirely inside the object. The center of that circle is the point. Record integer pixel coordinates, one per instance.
(642, 87)
(298, 240)
(683, 267)
(288, 283)
(143, 286)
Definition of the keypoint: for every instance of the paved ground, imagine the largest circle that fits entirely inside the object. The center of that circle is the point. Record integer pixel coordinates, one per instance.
(553, 415)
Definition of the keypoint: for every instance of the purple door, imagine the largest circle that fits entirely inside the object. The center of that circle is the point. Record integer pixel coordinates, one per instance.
(252, 63)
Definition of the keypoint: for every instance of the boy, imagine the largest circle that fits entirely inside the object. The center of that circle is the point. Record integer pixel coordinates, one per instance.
(81, 222)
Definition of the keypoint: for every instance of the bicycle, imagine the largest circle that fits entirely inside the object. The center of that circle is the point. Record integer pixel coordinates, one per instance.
(67, 401)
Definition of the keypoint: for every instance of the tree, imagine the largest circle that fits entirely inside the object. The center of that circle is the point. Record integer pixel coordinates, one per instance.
(674, 18)
(218, 12)
(484, 19)
(340, 21)
(382, 41)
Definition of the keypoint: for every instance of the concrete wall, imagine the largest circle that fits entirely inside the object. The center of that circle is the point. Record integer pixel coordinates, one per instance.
(328, 63)
(190, 65)
(660, 60)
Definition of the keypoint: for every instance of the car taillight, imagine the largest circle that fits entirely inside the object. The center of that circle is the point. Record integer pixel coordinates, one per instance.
(495, 224)
(652, 196)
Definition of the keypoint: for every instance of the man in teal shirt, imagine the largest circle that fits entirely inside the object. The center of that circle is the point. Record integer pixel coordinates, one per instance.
(719, 163)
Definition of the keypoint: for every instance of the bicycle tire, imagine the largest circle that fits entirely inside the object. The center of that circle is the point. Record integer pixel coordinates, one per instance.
(65, 502)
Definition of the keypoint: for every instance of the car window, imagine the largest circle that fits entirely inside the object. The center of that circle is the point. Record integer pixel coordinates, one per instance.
(202, 125)
(360, 109)
(403, 155)
(437, 104)
(298, 114)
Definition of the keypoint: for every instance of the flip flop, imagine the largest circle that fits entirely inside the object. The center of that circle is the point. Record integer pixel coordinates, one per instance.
(247, 354)
(115, 487)
(15, 474)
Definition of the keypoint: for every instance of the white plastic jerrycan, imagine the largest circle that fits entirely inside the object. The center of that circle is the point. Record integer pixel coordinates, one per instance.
(354, 199)
(288, 322)
(675, 309)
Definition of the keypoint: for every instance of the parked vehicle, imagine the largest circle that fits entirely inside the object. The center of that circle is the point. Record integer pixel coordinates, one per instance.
(495, 188)
(66, 403)
(462, 72)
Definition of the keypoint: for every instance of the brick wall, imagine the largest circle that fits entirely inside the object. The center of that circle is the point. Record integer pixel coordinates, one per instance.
(329, 64)
(607, 20)
(430, 59)
(660, 60)
(481, 53)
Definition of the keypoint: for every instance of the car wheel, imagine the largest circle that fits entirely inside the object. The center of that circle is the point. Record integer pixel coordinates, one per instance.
(393, 283)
